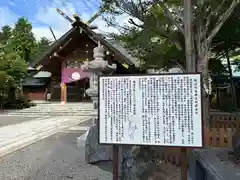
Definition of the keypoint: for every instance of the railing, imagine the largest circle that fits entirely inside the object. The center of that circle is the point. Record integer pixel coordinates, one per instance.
(218, 134)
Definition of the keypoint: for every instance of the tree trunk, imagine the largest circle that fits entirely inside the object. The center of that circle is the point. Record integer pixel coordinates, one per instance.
(234, 100)
(202, 66)
(189, 39)
(202, 53)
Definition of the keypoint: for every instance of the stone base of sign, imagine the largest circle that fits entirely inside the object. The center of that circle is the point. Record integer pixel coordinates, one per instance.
(213, 164)
(128, 162)
(133, 164)
(94, 152)
(162, 170)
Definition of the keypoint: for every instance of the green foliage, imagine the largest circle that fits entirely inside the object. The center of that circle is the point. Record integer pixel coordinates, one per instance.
(4, 80)
(12, 70)
(157, 39)
(14, 66)
(42, 46)
(154, 42)
(5, 34)
(216, 66)
(17, 47)
(22, 40)
(18, 103)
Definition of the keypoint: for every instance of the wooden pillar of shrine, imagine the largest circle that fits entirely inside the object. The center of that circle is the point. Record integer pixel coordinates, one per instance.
(63, 93)
(63, 86)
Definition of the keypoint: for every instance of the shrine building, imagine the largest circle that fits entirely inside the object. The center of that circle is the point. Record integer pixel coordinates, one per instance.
(64, 58)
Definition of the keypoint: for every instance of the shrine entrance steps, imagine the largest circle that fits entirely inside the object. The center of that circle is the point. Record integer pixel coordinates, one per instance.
(56, 109)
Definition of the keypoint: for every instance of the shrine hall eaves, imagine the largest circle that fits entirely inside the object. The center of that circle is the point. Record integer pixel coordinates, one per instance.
(113, 45)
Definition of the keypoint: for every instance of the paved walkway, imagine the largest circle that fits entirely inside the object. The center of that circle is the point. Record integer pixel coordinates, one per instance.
(36, 123)
(54, 158)
(43, 144)
(14, 137)
(6, 120)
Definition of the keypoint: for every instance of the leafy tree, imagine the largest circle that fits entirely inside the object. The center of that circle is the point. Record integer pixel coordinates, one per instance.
(22, 40)
(162, 45)
(5, 34)
(198, 21)
(154, 43)
(42, 45)
(17, 47)
(226, 45)
(12, 71)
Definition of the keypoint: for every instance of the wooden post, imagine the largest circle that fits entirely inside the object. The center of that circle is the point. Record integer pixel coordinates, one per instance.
(184, 164)
(115, 162)
(63, 93)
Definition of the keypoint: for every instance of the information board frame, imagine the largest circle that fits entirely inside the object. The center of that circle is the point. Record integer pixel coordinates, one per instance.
(147, 75)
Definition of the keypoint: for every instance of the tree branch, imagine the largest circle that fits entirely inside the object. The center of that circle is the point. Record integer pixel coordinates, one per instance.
(131, 21)
(219, 7)
(132, 8)
(170, 15)
(179, 65)
(172, 18)
(222, 20)
(141, 6)
(179, 14)
(208, 19)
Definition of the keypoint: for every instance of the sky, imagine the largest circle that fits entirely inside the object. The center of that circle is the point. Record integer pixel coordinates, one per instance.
(42, 14)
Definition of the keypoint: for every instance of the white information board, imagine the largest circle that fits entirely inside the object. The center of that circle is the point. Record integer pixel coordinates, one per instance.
(163, 110)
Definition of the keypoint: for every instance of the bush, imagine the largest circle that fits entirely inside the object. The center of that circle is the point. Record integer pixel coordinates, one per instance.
(31, 104)
(225, 102)
(19, 103)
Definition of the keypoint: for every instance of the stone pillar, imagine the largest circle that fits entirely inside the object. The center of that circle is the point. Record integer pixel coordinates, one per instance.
(93, 90)
(94, 152)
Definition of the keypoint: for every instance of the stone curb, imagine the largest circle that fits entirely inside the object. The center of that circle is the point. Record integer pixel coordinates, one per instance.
(81, 139)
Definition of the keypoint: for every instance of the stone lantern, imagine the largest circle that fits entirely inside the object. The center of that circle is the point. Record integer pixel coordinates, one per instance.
(93, 151)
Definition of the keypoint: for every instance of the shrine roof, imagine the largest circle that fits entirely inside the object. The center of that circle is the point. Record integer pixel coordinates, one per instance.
(116, 47)
(31, 81)
(120, 47)
(46, 55)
